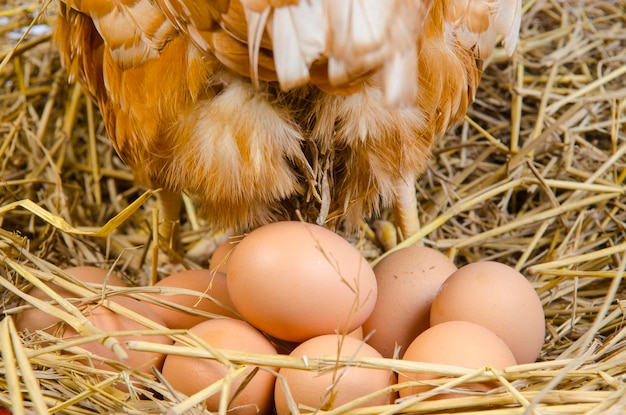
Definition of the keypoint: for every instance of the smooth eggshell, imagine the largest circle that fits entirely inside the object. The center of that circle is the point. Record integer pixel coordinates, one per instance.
(296, 281)
(408, 281)
(357, 333)
(203, 281)
(311, 388)
(498, 297)
(221, 255)
(35, 319)
(456, 343)
(110, 321)
(190, 374)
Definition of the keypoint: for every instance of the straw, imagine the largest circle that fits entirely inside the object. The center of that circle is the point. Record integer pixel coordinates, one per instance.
(533, 177)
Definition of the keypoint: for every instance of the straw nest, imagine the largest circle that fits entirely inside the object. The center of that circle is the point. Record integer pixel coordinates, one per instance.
(533, 178)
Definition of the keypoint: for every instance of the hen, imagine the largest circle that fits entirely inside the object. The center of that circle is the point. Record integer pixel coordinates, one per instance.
(261, 108)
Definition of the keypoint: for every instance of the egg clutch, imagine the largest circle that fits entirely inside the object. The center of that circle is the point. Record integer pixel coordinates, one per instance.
(300, 289)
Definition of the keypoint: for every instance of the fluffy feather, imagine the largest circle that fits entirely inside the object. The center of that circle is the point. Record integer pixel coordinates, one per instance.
(260, 107)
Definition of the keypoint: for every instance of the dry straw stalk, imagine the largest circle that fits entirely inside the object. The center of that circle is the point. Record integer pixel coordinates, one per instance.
(534, 177)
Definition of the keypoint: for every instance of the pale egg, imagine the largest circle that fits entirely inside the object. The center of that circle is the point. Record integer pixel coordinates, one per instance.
(191, 374)
(221, 255)
(408, 281)
(332, 387)
(35, 319)
(456, 343)
(295, 281)
(195, 286)
(112, 322)
(499, 298)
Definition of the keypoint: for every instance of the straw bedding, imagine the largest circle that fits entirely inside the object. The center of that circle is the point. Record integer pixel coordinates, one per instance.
(533, 178)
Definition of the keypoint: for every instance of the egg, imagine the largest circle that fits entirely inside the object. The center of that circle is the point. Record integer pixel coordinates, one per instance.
(190, 374)
(295, 281)
(35, 319)
(408, 281)
(221, 256)
(357, 333)
(499, 298)
(109, 321)
(456, 343)
(202, 281)
(332, 387)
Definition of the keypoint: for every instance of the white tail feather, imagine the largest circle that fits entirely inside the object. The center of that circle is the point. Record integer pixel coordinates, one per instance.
(298, 38)
(508, 21)
(256, 26)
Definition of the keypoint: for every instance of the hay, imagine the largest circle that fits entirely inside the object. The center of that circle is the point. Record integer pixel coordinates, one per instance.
(533, 178)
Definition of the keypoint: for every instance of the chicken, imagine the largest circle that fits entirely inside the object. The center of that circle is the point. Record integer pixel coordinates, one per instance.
(258, 109)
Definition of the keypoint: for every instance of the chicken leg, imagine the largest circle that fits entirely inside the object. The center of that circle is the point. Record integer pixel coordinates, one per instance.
(405, 207)
(169, 222)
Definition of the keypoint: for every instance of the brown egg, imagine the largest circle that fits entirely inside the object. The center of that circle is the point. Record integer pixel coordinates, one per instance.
(499, 298)
(190, 375)
(296, 281)
(408, 281)
(35, 319)
(332, 388)
(357, 333)
(203, 282)
(456, 343)
(221, 256)
(110, 321)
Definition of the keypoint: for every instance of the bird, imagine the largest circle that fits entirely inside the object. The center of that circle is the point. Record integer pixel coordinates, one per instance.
(259, 110)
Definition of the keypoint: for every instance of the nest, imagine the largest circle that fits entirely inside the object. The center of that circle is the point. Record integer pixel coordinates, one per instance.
(532, 178)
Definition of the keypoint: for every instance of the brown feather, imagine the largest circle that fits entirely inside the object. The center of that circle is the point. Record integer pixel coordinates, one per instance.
(174, 80)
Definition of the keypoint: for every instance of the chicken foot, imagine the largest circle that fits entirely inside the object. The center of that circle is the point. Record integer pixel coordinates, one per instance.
(169, 224)
(405, 207)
